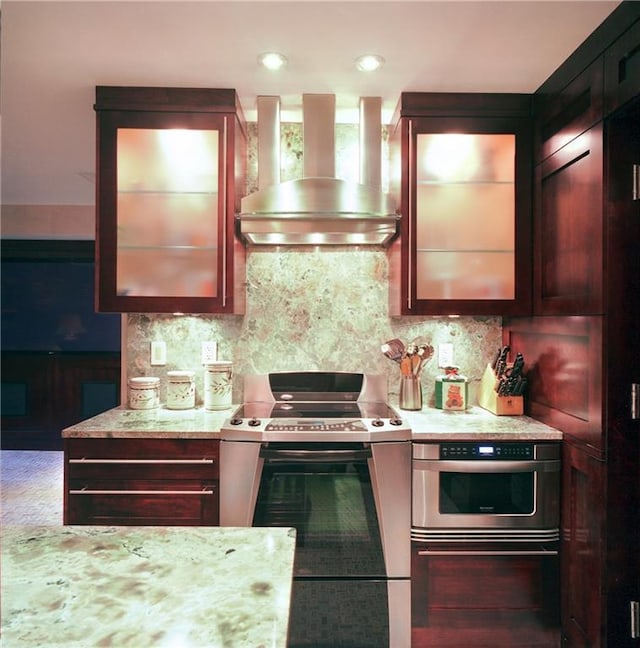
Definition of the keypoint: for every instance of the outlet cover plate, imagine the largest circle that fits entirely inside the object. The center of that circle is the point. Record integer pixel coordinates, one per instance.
(209, 352)
(158, 353)
(445, 355)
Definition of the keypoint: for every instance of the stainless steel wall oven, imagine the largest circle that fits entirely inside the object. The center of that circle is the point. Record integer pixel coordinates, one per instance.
(486, 491)
(322, 452)
(485, 543)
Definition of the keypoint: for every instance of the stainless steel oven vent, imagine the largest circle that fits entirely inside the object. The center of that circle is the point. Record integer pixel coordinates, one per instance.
(318, 209)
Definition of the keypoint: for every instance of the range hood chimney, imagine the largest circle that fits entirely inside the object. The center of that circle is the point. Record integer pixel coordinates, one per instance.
(318, 209)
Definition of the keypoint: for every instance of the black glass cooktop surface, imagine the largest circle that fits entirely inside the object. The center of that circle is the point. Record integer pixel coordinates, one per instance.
(320, 410)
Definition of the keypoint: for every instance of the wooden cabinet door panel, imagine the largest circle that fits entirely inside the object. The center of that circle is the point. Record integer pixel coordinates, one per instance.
(141, 481)
(562, 116)
(156, 469)
(565, 374)
(484, 600)
(583, 534)
(568, 232)
(622, 69)
(149, 507)
(143, 448)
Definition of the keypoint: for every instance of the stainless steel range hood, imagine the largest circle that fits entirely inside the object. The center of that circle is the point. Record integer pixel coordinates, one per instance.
(318, 209)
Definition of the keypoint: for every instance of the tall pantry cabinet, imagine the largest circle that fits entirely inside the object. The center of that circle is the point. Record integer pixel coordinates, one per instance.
(583, 342)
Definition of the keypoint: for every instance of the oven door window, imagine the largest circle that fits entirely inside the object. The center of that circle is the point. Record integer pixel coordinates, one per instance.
(487, 493)
(333, 510)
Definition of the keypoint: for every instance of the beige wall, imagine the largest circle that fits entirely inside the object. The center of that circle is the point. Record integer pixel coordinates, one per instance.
(48, 221)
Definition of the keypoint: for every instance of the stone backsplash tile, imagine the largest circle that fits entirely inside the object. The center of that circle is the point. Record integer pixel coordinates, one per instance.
(310, 309)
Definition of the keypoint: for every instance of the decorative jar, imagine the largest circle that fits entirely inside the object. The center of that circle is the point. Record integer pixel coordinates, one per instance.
(217, 385)
(144, 392)
(181, 390)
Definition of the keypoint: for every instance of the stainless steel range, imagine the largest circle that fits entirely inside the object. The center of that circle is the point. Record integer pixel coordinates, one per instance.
(324, 453)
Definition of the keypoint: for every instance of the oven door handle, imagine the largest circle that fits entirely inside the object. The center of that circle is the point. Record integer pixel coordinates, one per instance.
(463, 466)
(318, 456)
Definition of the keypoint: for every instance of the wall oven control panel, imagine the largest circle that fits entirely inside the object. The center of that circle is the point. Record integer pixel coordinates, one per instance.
(493, 451)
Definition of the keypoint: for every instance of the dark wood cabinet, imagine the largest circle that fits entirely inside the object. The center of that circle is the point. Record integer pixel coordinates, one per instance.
(569, 229)
(583, 548)
(582, 344)
(159, 482)
(581, 371)
(565, 375)
(171, 168)
(561, 116)
(622, 69)
(461, 173)
(484, 600)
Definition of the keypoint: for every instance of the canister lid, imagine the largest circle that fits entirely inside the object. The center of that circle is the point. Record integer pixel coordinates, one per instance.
(180, 376)
(221, 364)
(144, 381)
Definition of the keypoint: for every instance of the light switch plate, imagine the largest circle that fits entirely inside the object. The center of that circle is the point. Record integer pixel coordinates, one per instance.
(158, 353)
(445, 355)
(209, 352)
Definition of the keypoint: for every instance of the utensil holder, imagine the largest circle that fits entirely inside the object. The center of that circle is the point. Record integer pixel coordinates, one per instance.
(410, 393)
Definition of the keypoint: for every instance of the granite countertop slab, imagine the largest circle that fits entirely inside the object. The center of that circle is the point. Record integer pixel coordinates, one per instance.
(121, 422)
(428, 424)
(475, 424)
(88, 586)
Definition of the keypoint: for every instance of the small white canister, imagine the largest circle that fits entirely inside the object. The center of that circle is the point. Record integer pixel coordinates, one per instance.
(181, 390)
(144, 393)
(217, 385)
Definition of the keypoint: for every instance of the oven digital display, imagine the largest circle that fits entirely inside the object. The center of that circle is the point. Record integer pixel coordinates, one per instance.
(486, 451)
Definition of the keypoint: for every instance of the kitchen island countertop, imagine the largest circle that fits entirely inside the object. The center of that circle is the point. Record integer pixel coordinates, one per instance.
(86, 586)
(428, 424)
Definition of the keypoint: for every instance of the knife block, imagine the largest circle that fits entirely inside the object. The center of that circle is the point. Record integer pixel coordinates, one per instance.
(499, 405)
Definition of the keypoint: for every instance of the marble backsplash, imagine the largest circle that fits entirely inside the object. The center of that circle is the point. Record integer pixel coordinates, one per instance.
(309, 309)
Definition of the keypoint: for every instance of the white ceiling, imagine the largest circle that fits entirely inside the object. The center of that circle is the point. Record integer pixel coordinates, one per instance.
(55, 53)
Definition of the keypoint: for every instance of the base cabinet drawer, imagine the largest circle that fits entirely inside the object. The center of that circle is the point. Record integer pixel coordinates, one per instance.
(141, 482)
(484, 600)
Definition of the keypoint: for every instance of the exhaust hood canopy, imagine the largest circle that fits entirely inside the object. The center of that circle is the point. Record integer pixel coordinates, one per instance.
(318, 209)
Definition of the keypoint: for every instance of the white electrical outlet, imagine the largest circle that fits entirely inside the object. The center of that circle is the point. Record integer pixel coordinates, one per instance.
(209, 352)
(158, 353)
(445, 355)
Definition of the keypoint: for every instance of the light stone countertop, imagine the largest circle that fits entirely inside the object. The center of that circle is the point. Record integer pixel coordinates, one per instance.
(88, 586)
(476, 424)
(428, 424)
(122, 422)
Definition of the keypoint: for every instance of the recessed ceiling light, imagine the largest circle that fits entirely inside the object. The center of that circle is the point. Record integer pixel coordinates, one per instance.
(369, 62)
(272, 60)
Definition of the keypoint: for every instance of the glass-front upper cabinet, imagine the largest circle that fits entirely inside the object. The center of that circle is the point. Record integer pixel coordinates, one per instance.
(170, 178)
(461, 171)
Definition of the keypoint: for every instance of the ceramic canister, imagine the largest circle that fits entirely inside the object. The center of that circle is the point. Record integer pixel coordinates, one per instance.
(217, 385)
(144, 392)
(181, 389)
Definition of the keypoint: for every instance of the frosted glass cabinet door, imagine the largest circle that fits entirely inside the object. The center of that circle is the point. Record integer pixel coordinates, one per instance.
(171, 170)
(461, 170)
(465, 216)
(167, 211)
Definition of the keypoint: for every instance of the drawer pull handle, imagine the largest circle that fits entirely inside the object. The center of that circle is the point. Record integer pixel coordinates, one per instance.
(89, 491)
(497, 552)
(84, 460)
